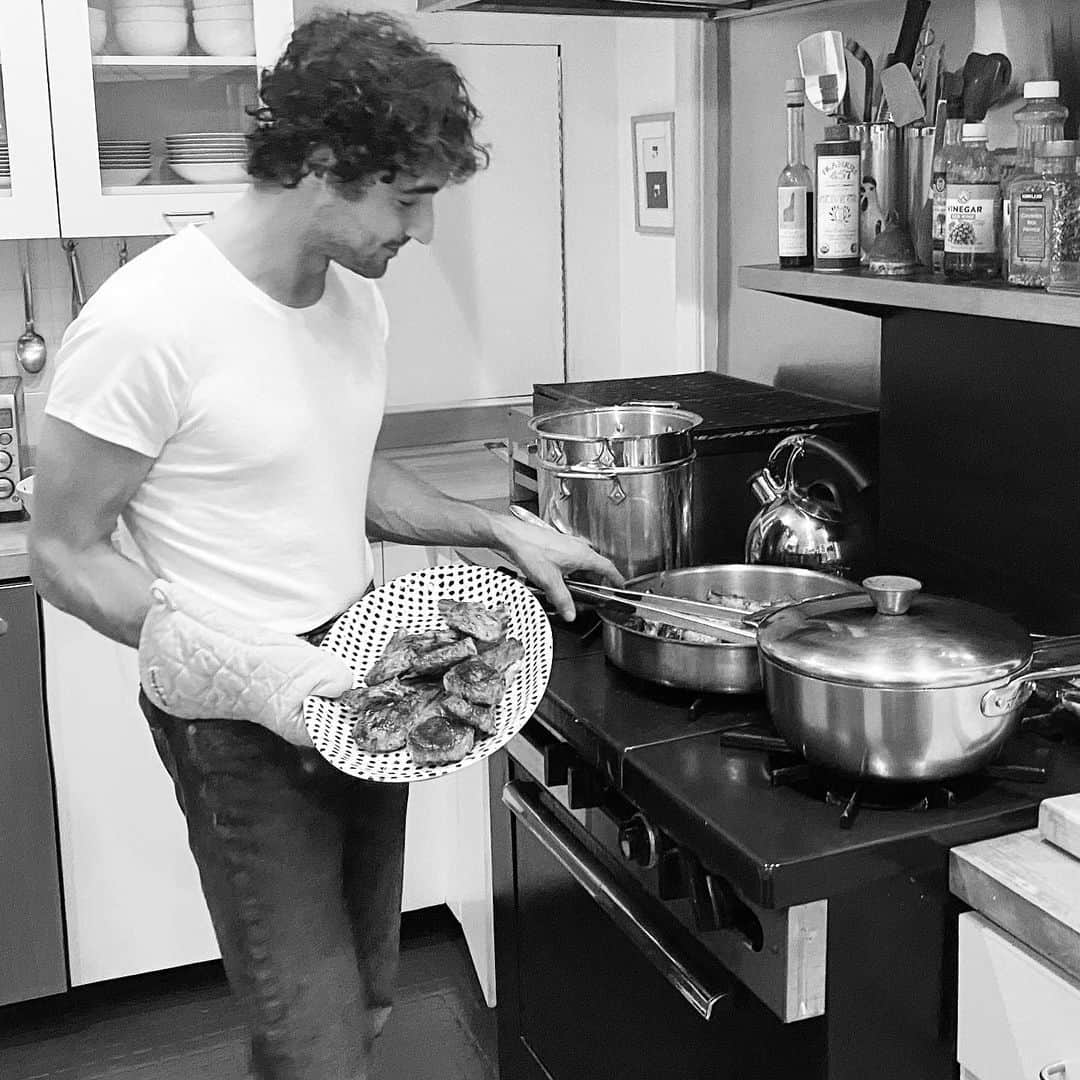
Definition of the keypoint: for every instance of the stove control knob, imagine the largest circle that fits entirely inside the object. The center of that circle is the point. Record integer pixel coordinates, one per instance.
(638, 842)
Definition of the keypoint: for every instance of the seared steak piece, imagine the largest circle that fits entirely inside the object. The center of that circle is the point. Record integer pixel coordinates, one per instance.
(396, 659)
(487, 625)
(423, 640)
(382, 728)
(474, 680)
(360, 697)
(439, 741)
(505, 655)
(481, 717)
(443, 657)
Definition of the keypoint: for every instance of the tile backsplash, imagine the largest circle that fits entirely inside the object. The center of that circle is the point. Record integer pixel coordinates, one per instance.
(98, 258)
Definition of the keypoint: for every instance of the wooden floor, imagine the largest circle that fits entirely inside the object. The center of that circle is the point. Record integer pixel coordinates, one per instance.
(182, 1025)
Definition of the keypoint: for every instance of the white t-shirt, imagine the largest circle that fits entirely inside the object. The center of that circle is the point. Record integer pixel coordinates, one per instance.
(261, 418)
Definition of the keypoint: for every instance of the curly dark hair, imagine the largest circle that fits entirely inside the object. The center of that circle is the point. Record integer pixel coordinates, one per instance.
(365, 86)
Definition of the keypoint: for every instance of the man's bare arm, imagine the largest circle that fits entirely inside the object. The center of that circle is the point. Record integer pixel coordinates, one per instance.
(81, 484)
(405, 509)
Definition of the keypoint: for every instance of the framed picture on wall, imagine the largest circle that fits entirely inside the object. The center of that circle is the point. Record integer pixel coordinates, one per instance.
(653, 138)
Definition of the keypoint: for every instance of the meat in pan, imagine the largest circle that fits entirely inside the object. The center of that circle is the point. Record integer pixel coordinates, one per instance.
(487, 625)
(382, 728)
(439, 741)
(504, 656)
(396, 660)
(359, 698)
(476, 682)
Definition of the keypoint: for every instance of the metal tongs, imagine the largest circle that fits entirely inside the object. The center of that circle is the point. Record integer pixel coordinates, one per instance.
(683, 614)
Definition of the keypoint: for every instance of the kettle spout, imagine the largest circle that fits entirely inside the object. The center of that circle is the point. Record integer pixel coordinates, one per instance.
(764, 487)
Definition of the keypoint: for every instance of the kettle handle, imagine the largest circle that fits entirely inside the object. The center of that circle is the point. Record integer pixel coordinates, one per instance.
(799, 444)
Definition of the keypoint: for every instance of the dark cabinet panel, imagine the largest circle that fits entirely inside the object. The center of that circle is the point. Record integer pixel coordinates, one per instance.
(31, 930)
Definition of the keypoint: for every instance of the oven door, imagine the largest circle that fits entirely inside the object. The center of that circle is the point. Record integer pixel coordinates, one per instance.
(596, 978)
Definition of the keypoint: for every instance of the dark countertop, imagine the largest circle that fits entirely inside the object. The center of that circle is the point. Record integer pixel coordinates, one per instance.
(777, 844)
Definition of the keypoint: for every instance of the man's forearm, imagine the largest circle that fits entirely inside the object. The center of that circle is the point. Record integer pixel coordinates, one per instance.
(98, 585)
(405, 509)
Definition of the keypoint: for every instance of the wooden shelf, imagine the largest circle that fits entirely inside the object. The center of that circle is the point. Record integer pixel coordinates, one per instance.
(144, 68)
(873, 295)
(173, 189)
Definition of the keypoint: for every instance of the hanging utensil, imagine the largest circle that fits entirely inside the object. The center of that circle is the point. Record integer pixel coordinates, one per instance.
(824, 70)
(860, 54)
(30, 348)
(121, 253)
(78, 292)
(911, 28)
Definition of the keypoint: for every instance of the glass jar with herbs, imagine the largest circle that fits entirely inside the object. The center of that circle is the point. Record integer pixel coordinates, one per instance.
(973, 209)
(1065, 236)
(1032, 198)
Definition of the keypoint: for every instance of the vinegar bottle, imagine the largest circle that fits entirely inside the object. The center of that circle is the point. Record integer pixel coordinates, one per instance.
(795, 188)
(973, 210)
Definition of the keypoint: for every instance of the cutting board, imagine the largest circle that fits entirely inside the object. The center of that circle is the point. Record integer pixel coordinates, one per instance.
(1028, 887)
(1059, 822)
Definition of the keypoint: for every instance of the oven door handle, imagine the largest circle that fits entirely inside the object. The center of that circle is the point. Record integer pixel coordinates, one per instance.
(664, 953)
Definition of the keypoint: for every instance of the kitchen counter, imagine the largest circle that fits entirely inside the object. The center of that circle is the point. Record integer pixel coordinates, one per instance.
(778, 845)
(14, 562)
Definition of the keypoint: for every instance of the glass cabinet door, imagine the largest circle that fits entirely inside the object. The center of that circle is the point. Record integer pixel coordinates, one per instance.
(152, 106)
(27, 183)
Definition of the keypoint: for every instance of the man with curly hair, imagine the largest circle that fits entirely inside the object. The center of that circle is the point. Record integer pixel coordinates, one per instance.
(220, 397)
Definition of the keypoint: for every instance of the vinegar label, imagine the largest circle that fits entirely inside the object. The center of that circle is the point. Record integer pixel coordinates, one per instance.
(837, 215)
(791, 221)
(971, 219)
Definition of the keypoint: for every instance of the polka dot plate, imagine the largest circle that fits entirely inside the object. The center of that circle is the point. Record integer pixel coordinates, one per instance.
(410, 603)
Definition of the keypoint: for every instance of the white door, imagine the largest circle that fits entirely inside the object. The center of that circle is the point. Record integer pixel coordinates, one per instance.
(27, 183)
(478, 314)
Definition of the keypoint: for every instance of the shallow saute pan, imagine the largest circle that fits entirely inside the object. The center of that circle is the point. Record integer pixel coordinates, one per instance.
(895, 684)
(713, 667)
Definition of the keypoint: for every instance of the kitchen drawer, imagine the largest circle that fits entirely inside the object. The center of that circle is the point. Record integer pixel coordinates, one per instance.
(1016, 1011)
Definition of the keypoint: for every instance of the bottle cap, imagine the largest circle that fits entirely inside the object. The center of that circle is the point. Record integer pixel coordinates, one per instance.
(837, 133)
(1048, 88)
(794, 91)
(974, 131)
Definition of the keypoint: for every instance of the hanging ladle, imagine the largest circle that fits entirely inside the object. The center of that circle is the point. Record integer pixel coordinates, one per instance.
(30, 345)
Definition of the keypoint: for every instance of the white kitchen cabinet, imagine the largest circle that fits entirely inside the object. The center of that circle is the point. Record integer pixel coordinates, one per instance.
(117, 96)
(28, 186)
(1016, 1012)
(132, 900)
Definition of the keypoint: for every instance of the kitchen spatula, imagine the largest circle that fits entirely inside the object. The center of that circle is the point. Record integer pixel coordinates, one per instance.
(899, 90)
(824, 69)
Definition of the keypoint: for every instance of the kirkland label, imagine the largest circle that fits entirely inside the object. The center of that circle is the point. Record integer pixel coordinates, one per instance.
(837, 223)
(971, 218)
(1030, 230)
(791, 220)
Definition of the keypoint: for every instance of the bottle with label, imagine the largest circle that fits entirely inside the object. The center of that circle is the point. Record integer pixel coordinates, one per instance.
(1032, 199)
(836, 201)
(973, 210)
(954, 126)
(795, 188)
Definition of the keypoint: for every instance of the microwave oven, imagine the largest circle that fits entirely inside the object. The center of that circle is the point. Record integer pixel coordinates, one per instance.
(13, 451)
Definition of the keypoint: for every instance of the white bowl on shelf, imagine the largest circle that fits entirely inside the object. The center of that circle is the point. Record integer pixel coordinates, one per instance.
(225, 37)
(211, 172)
(241, 12)
(25, 488)
(152, 38)
(124, 177)
(131, 5)
(150, 15)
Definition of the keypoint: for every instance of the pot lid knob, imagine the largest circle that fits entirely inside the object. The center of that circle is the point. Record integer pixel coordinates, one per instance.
(892, 594)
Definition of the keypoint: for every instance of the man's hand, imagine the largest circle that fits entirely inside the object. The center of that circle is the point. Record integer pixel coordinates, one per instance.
(546, 557)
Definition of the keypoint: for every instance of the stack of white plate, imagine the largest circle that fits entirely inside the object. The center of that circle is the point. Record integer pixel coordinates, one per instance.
(123, 162)
(224, 27)
(209, 157)
(150, 27)
(5, 166)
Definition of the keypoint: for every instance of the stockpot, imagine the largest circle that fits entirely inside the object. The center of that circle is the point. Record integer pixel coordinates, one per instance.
(894, 684)
(621, 478)
(709, 667)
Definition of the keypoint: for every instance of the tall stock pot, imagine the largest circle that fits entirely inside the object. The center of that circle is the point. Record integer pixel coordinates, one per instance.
(621, 478)
(893, 684)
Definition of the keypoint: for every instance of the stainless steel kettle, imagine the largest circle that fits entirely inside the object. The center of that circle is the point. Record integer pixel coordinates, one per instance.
(814, 527)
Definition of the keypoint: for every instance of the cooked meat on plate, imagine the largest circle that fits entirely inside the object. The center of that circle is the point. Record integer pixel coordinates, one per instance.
(436, 691)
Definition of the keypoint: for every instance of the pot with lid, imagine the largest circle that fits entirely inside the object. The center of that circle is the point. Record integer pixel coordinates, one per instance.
(894, 684)
(620, 477)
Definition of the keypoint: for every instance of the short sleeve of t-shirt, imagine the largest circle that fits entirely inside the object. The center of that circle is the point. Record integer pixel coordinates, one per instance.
(118, 381)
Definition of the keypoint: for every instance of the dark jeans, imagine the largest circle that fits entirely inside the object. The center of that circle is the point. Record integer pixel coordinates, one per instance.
(301, 868)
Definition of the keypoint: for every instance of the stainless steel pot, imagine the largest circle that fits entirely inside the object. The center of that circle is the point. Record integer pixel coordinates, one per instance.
(897, 685)
(716, 668)
(620, 478)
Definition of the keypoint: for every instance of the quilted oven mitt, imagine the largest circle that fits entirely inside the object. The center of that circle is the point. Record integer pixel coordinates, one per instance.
(198, 662)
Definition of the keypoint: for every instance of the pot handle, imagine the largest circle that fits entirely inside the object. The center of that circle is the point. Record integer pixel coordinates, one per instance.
(1003, 699)
(800, 443)
(649, 405)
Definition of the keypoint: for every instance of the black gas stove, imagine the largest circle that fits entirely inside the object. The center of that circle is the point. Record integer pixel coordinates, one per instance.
(825, 900)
